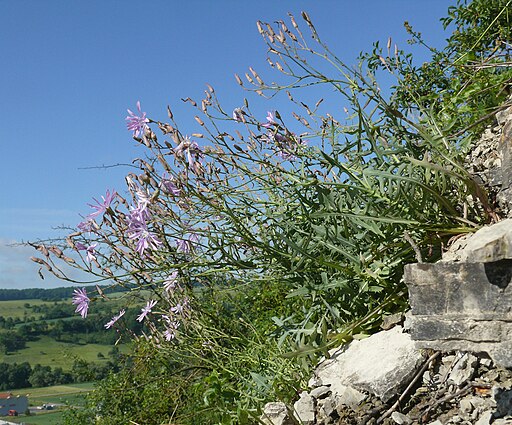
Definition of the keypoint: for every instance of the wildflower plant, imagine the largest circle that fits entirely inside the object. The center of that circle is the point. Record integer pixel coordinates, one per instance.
(309, 216)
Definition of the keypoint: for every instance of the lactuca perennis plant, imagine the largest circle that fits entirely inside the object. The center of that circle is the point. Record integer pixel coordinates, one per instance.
(321, 211)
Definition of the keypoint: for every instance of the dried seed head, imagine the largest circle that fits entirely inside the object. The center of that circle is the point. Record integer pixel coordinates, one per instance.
(260, 29)
(189, 100)
(292, 20)
(57, 251)
(37, 260)
(43, 250)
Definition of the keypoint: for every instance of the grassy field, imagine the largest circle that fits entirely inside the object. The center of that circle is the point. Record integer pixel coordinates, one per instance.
(55, 394)
(72, 394)
(48, 352)
(43, 418)
(17, 310)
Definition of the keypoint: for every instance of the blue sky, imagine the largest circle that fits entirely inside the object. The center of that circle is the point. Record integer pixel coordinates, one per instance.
(72, 68)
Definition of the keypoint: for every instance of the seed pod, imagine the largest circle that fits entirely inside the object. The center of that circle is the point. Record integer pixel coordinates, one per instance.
(189, 100)
(56, 251)
(42, 249)
(37, 260)
(260, 29)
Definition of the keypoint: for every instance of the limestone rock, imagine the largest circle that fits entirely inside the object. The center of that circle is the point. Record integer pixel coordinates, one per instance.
(276, 413)
(400, 418)
(320, 392)
(304, 409)
(490, 244)
(463, 370)
(462, 307)
(380, 364)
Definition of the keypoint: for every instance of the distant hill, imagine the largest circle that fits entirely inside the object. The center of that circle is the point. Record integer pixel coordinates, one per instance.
(46, 294)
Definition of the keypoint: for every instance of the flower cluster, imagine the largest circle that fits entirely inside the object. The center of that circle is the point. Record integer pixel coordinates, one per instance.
(138, 223)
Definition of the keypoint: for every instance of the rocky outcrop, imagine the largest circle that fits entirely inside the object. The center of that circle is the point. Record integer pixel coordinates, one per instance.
(490, 162)
(466, 305)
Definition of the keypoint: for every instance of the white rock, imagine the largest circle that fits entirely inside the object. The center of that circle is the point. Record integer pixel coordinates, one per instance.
(304, 409)
(485, 419)
(348, 396)
(276, 413)
(320, 392)
(491, 243)
(466, 406)
(400, 418)
(464, 368)
(380, 364)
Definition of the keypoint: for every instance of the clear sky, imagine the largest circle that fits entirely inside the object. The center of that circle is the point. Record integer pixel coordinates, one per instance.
(70, 69)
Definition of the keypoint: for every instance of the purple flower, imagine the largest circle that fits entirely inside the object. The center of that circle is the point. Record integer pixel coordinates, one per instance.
(145, 238)
(238, 115)
(101, 207)
(115, 319)
(191, 151)
(81, 300)
(181, 308)
(146, 310)
(270, 120)
(171, 282)
(170, 332)
(186, 245)
(168, 185)
(137, 123)
(137, 217)
(90, 250)
(88, 225)
(287, 146)
(143, 200)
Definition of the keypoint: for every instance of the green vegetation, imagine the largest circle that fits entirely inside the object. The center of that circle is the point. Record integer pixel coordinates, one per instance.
(257, 252)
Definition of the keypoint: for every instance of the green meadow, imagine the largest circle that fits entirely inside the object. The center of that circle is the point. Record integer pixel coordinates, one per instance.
(48, 352)
(17, 310)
